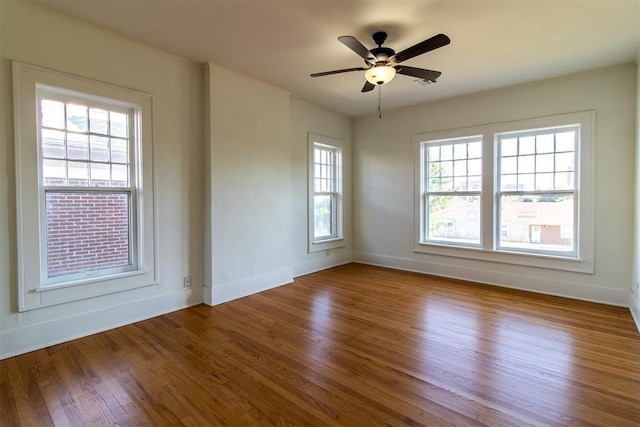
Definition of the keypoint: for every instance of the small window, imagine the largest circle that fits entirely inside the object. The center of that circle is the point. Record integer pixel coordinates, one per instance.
(84, 185)
(325, 193)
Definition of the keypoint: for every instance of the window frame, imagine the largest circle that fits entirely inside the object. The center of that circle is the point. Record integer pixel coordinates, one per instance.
(35, 289)
(335, 240)
(488, 250)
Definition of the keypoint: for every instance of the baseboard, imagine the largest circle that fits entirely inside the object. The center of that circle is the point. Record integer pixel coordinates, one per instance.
(542, 285)
(225, 292)
(315, 264)
(634, 307)
(35, 337)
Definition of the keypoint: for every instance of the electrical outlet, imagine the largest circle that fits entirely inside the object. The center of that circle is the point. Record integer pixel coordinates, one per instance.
(186, 282)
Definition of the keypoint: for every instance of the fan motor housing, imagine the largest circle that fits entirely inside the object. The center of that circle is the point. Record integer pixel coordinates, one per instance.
(382, 53)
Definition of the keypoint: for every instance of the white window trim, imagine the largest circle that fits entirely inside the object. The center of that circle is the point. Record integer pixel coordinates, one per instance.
(33, 289)
(338, 241)
(584, 263)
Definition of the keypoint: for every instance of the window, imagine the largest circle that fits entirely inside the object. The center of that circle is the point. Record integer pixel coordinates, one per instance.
(453, 181)
(517, 192)
(84, 184)
(536, 190)
(325, 193)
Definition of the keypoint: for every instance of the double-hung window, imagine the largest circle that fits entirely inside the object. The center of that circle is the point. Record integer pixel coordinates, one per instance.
(536, 190)
(452, 191)
(84, 186)
(325, 193)
(517, 192)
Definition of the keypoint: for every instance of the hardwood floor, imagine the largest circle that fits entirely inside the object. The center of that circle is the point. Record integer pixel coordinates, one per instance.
(355, 346)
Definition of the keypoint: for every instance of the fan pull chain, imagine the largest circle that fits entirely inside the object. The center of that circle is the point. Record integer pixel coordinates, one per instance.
(380, 102)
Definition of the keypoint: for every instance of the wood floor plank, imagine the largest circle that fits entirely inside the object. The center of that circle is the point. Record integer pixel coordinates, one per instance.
(350, 346)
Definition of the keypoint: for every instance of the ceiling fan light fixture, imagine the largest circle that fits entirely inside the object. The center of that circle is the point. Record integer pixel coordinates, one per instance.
(380, 74)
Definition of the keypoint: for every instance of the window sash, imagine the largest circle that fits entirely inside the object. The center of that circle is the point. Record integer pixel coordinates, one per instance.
(325, 183)
(332, 232)
(74, 276)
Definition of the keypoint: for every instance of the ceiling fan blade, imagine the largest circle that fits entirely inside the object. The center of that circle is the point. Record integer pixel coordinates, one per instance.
(425, 46)
(353, 44)
(367, 87)
(345, 70)
(420, 73)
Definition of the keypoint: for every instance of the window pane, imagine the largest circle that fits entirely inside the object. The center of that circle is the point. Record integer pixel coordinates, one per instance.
(120, 175)
(100, 175)
(86, 231)
(99, 121)
(54, 172)
(566, 141)
(564, 181)
(454, 219)
(323, 212)
(119, 150)
(446, 152)
(78, 174)
(509, 147)
(119, 124)
(565, 162)
(509, 165)
(526, 182)
(52, 114)
(544, 143)
(544, 163)
(99, 148)
(509, 183)
(77, 146)
(536, 223)
(77, 118)
(544, 181)
(527, 145)
(434, 184)
(526, 164)
(53, 144)
(434, 153)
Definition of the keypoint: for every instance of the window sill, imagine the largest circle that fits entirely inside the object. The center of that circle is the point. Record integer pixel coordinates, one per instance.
(322, 245)
(88, 280)
(577, 265)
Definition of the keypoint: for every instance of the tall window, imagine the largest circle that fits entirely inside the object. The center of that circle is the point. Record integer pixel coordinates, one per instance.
(452, 190)
(325, 193)
(84, 187)
(88, 184)
(536, 190)
(517, 192)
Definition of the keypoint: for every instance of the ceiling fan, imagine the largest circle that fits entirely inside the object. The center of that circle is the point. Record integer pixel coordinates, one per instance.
(382, 63)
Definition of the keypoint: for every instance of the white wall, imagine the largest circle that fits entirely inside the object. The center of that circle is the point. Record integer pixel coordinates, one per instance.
(307, 118)
(384, 187)
(634, 304)
(248, 148)
(41, 38)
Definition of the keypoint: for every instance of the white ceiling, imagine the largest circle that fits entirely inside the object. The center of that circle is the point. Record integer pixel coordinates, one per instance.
(493, 43)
